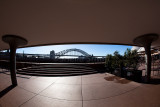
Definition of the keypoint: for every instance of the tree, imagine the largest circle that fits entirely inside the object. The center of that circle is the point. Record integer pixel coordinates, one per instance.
(114, 62)
(128, 60)
(117, 60)
(131, 59)
(109, 62)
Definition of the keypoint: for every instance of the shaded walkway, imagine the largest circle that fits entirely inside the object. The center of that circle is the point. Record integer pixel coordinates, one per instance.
(95, 90)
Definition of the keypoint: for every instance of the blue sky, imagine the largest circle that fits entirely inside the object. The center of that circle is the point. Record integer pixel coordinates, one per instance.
(96, 50)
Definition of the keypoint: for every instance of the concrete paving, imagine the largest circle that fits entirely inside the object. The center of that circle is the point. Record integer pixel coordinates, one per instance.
(95, 90)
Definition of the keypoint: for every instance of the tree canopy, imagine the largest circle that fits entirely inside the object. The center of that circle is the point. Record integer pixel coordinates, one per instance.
(128, 60)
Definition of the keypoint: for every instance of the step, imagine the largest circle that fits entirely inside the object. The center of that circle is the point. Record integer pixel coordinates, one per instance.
(56, 70)
(61, 65)
(53, 72)
(78, 67)
(37, 74)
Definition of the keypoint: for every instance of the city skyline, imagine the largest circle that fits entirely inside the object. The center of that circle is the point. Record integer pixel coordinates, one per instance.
(95, 49)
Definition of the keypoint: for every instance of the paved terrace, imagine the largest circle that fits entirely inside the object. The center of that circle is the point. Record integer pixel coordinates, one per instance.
(94, 90)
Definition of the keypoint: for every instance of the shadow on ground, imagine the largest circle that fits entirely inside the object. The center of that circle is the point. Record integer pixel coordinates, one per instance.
(6, 90)
(116, 79)
(155, 81)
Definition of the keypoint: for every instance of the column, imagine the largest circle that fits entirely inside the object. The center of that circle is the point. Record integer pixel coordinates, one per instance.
(146, 41)
(14, 41)
(13, 63)
(148, 61)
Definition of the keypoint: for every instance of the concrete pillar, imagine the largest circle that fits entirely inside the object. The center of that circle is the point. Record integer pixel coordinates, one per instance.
(13, 63)
(13, 41)
(146, 41)
(148, 61)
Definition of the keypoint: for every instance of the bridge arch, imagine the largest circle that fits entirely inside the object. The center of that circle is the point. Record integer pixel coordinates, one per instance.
(61, 53)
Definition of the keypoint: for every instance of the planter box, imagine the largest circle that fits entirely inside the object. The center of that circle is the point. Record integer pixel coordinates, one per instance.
(135, 75)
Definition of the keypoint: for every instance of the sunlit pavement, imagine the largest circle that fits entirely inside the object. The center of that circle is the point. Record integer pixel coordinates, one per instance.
(95, 90)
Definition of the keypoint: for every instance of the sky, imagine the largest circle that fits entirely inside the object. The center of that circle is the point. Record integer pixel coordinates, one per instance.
(96, 50)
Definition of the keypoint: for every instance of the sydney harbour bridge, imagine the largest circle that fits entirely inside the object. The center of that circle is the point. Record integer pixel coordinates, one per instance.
(68, 55)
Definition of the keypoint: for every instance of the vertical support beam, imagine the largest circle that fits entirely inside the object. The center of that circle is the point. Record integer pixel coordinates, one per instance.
(145, 41)
(13, 41)
(13, 63)
(148, 61)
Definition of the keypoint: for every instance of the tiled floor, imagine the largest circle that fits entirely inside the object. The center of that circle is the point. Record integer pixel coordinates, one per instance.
(96, 90)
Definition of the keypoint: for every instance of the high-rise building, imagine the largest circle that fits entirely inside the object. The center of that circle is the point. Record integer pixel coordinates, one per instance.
(52, 54)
